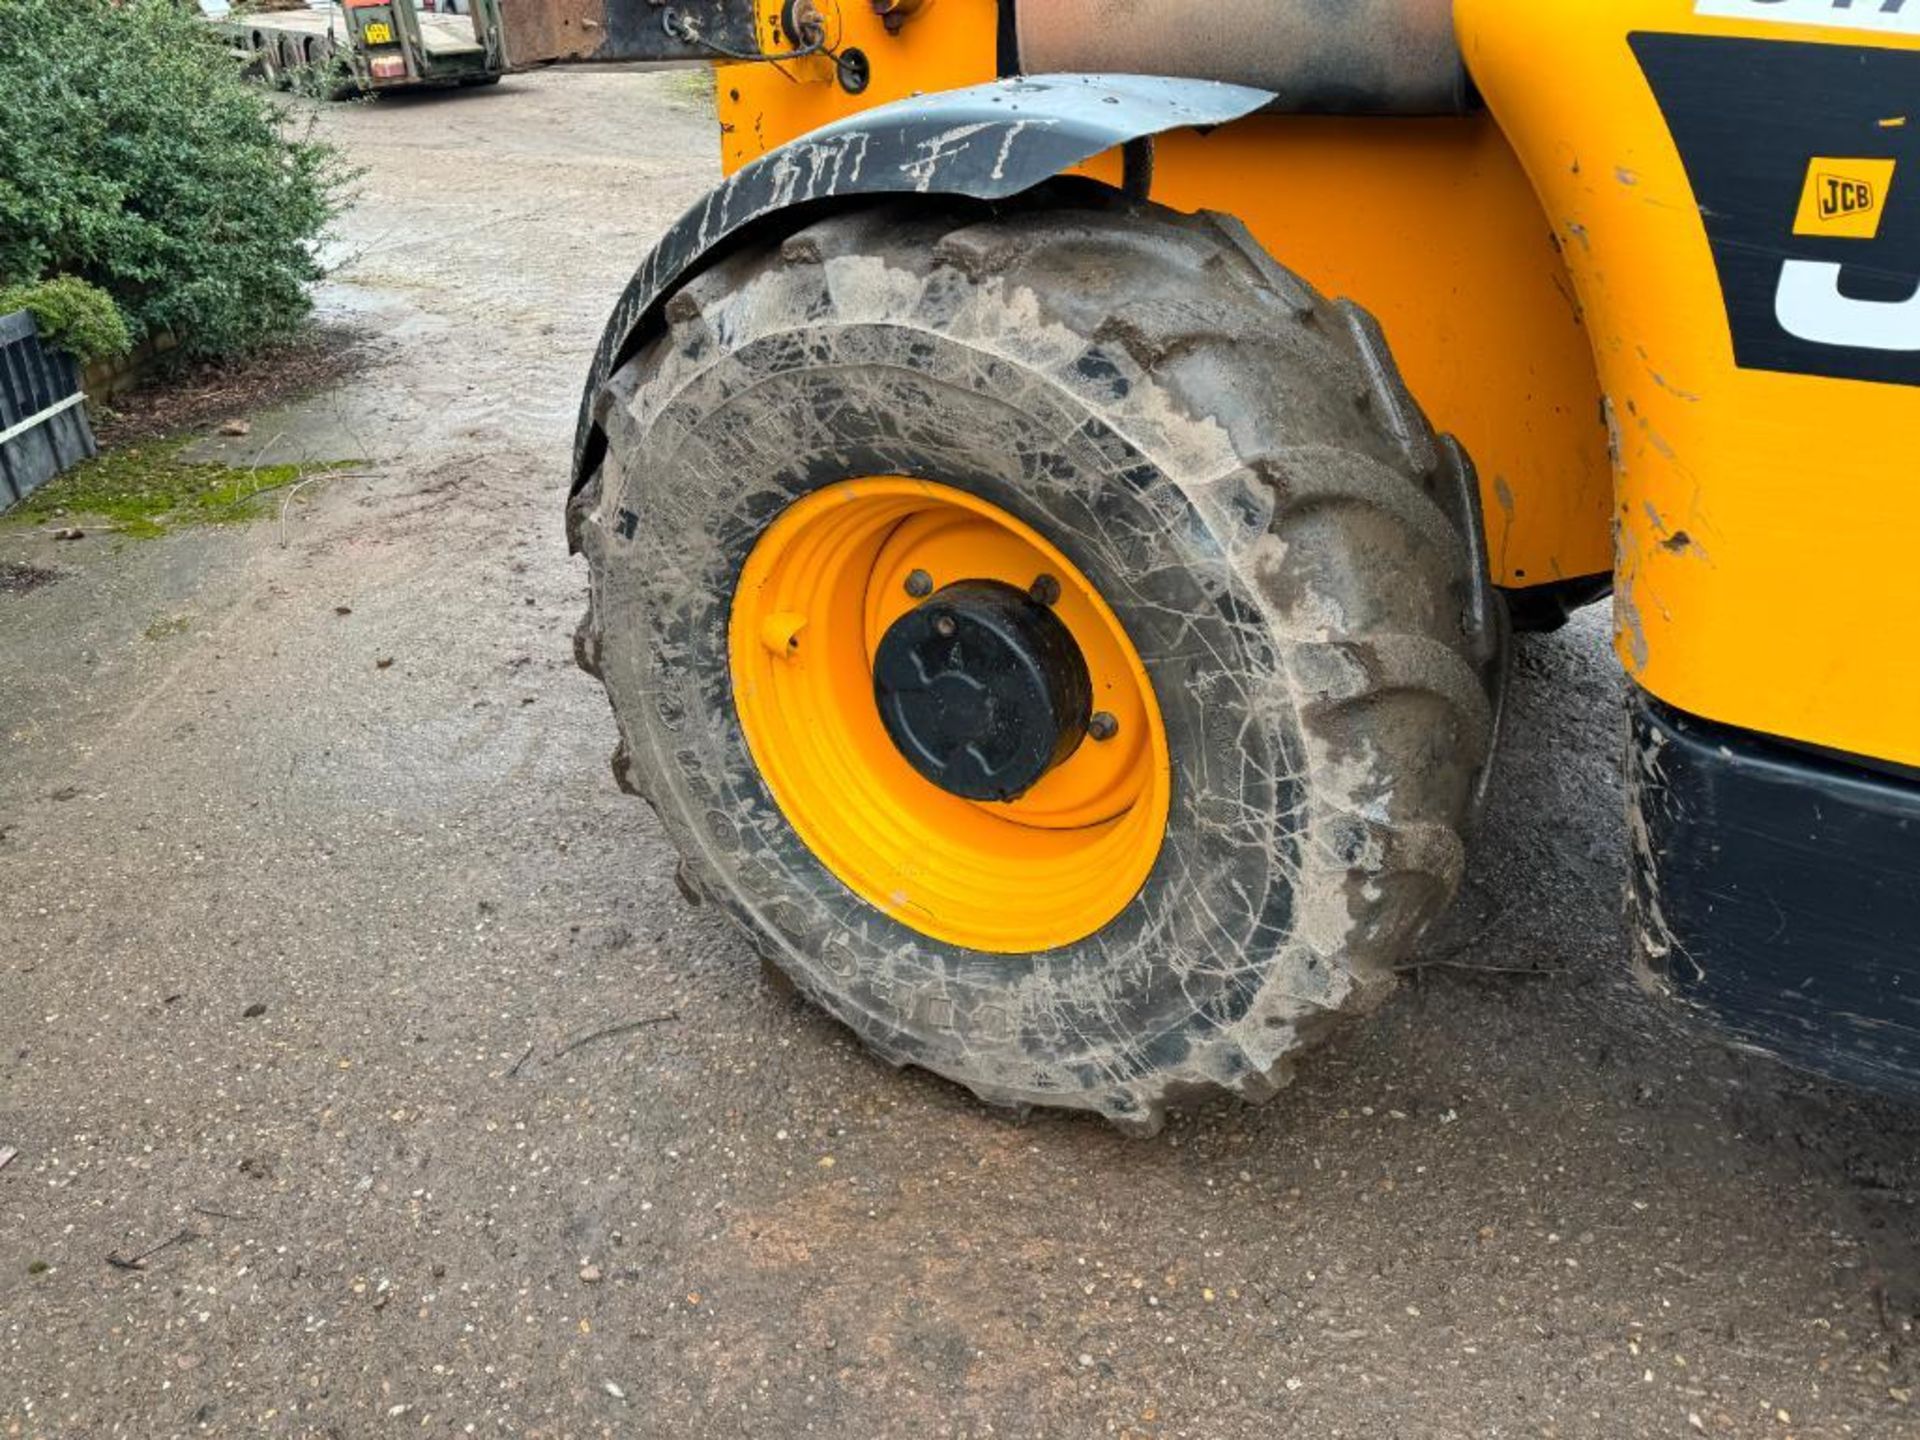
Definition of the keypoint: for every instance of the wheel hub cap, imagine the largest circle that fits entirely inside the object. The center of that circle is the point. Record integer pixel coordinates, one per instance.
(982, 689)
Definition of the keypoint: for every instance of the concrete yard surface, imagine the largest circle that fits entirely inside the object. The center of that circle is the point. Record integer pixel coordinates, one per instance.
(366, 1073)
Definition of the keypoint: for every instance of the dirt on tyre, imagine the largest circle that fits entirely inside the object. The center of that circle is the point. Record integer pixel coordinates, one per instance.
(1053, 635)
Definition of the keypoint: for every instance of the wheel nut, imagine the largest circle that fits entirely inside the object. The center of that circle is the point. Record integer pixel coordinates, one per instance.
(919, 584)
(1045, 590)
(1102, 726)
(943, 625)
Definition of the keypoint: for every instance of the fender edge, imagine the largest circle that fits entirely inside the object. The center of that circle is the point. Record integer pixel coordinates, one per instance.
(984, 142)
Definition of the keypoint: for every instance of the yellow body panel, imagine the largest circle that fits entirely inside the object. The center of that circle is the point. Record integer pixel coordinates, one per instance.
(1432, 226)
(1762, 520)
(1428, 223)
(1767, 519)
(946, 45)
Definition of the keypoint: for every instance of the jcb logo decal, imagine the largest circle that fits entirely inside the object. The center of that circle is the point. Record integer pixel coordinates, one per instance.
(1843, 198)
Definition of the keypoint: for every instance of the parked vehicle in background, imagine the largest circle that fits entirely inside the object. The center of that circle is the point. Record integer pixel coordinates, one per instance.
(361, 46)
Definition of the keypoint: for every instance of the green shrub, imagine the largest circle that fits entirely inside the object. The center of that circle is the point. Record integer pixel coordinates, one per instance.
(79, 317)
(134, 156)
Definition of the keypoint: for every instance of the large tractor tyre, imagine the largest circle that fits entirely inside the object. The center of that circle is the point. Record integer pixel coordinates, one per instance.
(266, 57)
(333, 75)
(286, 64)
(1052, 635)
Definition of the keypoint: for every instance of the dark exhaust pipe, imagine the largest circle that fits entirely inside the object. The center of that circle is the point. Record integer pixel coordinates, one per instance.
(1347, 57)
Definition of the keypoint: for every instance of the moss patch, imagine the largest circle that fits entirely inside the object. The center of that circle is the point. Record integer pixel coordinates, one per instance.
(693, 87)
(148, 489)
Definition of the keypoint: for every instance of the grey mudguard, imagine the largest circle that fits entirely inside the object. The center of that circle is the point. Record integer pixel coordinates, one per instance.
(986, 142)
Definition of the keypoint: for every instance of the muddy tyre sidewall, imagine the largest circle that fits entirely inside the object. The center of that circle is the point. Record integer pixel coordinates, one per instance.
(1215, 907)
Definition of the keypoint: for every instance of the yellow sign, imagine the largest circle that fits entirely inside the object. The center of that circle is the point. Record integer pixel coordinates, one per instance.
(1843, 198)
(381, 33)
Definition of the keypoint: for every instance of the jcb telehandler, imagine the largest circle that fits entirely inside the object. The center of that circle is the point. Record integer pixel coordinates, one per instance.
(1053, 626)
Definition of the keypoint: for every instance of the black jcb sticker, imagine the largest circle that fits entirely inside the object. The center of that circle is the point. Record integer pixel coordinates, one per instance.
(1807, 176)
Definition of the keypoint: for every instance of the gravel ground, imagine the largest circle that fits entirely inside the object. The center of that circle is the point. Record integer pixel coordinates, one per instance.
(315, 890)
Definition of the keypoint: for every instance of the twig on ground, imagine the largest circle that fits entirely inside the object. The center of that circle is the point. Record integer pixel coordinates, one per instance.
(525, 1055)
(220, 1214)
(261, 454)
(139, 1262)
(296, 485)
(622, 1028)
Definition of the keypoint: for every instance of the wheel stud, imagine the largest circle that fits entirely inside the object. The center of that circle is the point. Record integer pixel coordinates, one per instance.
(1102, 726)
(943, 625)
(919, 584)
(1045, 590)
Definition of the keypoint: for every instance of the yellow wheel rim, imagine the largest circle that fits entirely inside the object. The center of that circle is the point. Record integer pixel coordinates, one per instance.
(819, 589)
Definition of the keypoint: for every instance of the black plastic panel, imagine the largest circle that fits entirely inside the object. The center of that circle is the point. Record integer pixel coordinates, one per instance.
(1778, 889)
